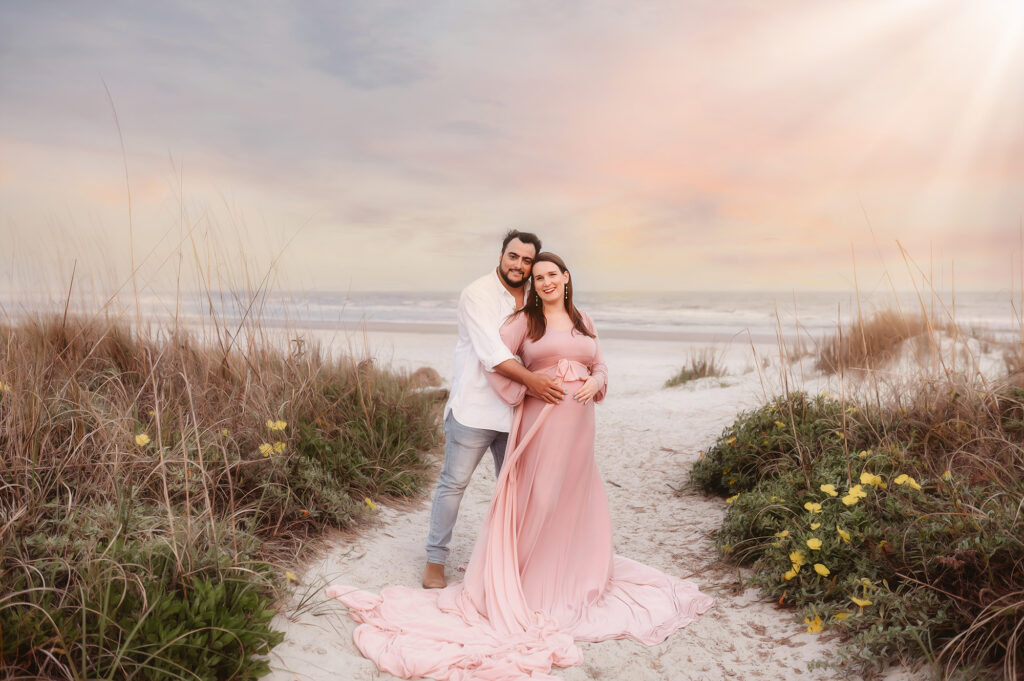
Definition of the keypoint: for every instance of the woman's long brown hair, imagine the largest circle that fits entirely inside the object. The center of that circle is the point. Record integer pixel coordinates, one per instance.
(533, 308)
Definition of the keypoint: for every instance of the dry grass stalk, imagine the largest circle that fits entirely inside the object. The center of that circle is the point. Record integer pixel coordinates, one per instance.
(699, 364)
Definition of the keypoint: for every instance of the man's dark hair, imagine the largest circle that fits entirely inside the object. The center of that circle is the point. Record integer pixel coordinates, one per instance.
(525, 237)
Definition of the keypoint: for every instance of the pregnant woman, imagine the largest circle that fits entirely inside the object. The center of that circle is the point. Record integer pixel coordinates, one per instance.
(543, 573)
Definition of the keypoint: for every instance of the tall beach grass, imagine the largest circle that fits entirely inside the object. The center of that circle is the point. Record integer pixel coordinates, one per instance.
(155, 485)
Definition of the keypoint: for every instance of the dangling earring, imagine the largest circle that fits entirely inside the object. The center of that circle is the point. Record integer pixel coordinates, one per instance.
(566, 294)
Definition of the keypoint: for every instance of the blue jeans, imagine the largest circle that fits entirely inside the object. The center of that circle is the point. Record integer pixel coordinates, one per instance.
(463, 448)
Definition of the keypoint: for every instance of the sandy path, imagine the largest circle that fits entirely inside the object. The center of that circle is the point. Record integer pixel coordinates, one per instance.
(647, 438)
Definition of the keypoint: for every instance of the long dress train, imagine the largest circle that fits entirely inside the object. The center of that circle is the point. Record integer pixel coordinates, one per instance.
(543, 573)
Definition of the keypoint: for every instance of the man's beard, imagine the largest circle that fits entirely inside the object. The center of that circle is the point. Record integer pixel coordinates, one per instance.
(513, 284)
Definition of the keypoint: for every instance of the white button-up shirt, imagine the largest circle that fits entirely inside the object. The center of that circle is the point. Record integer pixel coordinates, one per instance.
(483, 307)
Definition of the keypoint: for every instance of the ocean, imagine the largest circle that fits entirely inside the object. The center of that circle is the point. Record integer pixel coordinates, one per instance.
(705, 316)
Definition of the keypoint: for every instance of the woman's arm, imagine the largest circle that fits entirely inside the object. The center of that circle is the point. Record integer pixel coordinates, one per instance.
(596, 384)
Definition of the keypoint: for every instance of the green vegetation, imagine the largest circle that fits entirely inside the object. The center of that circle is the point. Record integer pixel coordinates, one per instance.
(150, 485)
(899, 526)
(699, 364)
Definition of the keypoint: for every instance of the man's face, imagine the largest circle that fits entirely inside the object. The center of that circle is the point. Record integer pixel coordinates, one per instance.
(516, 263)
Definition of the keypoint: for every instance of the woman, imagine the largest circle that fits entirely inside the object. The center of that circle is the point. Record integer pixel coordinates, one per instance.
(543, 573)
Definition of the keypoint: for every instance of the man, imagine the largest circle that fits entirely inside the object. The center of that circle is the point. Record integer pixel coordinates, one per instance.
(475, 418)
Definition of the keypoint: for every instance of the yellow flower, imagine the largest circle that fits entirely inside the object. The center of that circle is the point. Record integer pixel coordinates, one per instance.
(223, 431)
(903, 478)
(780, 424)
(821, 569)
(142, 439)
(790, 574)
(841, 615)
(858, 492)
(813, 507)
(291, 576)
(860, 601)
(850, 500)
(373, 506)
(731, 440)
(947, 475)
(867, 478)
(151, 412)
(829, 490)
(851, 410)
(732, 498)
(276, 425)
(815, 526)
(279, 447)
(813, 626)
(814, 543)
(862, 455)
(796, 558)
(783, 534)
(843, 534)
(266, 449)
(4, 387)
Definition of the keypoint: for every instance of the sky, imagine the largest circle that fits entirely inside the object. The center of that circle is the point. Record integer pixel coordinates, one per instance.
(680, 145)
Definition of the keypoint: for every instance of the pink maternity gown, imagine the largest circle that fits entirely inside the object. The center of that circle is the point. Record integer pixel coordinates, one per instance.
(543, 573)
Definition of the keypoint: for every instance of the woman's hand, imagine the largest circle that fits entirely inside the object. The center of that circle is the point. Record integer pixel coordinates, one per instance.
(587, 391)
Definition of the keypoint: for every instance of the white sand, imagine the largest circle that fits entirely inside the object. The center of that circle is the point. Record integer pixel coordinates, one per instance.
(647, 438)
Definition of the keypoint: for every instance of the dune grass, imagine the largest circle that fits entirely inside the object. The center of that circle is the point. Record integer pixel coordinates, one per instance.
(155, 487)
(698, 364)
(873, 342)
(893, 518)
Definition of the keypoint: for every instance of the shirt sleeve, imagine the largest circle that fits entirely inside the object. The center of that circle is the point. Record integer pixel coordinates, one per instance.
(481, 321)
(513, 334)
(598, 369)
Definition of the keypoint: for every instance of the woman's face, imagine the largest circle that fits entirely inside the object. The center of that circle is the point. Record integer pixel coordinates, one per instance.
(549, 281)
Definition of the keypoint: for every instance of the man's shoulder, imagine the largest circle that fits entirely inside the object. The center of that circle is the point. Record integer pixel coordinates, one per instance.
(482, 285)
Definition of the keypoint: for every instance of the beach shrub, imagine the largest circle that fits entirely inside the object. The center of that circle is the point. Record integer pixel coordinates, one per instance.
(769, 442)
(898, 526)
(112, 591)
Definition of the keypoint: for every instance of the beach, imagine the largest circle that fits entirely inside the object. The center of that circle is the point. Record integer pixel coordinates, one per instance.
(648, 436)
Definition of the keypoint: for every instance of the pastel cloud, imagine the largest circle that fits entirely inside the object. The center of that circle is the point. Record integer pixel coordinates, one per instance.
(701, 145)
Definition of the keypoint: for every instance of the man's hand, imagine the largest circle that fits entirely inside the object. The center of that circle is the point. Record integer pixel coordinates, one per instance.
(537, 384)
(545, 387)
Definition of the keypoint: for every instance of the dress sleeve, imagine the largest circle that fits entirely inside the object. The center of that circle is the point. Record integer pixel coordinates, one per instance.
(598, 369)
(513, 335)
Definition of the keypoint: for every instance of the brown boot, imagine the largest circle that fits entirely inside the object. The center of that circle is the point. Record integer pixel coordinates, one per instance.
(433, 576)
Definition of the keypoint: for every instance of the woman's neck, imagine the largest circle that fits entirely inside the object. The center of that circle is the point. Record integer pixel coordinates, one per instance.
(554, 309)
(556, 316)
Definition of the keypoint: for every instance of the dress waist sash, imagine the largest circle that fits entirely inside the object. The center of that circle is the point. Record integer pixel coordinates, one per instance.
(567, 370)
